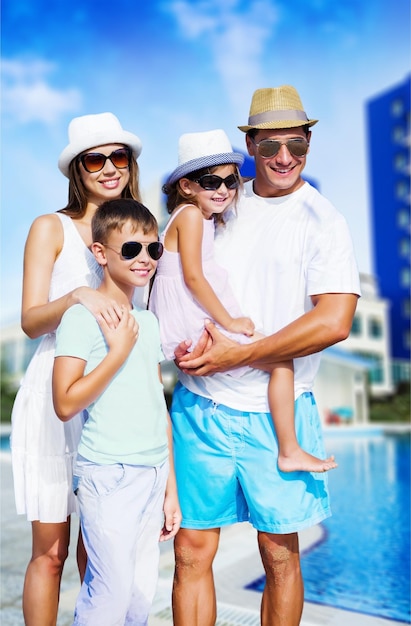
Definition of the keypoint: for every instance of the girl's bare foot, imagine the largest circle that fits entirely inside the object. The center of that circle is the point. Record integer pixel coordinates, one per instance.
(300, 461)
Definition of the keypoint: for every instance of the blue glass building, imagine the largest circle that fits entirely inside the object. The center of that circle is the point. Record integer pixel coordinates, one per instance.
(388, 125)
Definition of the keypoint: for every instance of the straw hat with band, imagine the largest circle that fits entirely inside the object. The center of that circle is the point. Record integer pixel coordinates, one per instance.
(89, 131)
(199, 150)
(276, 108)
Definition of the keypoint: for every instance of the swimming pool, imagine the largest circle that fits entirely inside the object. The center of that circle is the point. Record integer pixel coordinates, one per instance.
(363, 563)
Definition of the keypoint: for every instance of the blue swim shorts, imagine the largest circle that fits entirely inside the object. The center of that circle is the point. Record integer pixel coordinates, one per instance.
(226, 467)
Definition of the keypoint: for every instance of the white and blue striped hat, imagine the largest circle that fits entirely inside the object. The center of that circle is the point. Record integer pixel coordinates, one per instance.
(207, 149)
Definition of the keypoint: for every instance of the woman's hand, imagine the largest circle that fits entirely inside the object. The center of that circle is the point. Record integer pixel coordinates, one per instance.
(99, 305)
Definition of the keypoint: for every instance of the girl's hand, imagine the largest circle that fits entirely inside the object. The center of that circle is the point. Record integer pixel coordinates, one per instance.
(242, 325)
(99, 305)
(120, 340)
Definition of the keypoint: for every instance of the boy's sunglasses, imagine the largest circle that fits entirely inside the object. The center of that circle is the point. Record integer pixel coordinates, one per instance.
(268, 148)
(131, 249)
(213, 182)
(95, 161)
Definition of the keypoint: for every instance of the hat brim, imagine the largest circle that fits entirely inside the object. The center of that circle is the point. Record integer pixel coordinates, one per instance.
(124, 137)
(278, 125)
(206, 161)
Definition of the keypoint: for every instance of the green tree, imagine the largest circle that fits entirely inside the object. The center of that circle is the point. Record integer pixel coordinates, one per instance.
(8, 393)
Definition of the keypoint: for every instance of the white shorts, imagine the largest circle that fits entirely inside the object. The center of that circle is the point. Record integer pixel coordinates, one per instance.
(121, 514)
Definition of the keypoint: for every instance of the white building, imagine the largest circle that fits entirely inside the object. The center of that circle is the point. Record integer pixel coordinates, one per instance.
(341, 388)
(370, 337)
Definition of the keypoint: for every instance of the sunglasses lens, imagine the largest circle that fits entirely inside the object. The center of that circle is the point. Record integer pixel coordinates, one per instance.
(232, 182)
(93, 162)
(120, 158)
(155, 250)
(297, 147)
(211, 182)
(131, 249)
(268, 148)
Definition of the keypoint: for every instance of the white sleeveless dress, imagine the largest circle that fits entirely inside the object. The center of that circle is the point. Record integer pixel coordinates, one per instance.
(43, 447)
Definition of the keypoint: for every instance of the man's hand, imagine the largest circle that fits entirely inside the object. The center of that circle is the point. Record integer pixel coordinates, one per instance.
(213, 353)
(204, 344)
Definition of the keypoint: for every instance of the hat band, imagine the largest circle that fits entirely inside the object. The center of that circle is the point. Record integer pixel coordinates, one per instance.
(277, 116)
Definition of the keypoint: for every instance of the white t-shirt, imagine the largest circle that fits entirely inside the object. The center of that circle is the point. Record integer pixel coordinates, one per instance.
(278, 253)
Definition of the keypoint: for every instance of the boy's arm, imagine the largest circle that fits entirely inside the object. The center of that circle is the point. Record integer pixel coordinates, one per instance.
(172, 512)
(72, 391)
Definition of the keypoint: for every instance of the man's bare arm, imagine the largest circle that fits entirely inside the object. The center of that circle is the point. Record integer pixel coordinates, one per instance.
(326, 324)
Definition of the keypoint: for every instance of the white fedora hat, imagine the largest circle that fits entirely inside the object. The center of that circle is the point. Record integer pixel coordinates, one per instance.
(206, 149)
(88, 131)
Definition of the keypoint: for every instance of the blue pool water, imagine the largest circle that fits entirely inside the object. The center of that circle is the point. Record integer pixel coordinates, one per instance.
(5, 442)
(363, 564)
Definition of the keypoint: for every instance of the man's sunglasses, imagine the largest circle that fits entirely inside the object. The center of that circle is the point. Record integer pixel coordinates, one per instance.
(268, 148)
(213, 182)
(95, 161)
(131, 249)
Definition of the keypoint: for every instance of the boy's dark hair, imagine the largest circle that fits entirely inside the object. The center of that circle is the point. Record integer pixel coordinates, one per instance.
(113, 214)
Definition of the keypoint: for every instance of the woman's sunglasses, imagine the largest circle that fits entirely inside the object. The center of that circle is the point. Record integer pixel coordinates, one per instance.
(131, 249)
(268, 148)
(95, 161)
(213, 182)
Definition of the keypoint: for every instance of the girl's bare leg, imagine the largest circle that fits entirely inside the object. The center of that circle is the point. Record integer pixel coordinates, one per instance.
(291, 457)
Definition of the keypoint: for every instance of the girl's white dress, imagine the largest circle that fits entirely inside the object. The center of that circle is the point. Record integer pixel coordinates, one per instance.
(43, 447)
(179, 314)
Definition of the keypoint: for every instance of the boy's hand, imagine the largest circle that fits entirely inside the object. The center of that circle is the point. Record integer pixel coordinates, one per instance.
(172, 516)
(120, 340)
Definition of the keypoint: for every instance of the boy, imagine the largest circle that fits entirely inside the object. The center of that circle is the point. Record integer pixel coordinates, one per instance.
(124, 474)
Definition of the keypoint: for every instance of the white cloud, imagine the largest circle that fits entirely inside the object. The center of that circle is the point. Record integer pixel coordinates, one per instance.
(236, 34)
(27, 96)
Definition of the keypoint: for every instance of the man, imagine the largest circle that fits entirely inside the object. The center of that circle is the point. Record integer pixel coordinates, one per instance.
(292, 268)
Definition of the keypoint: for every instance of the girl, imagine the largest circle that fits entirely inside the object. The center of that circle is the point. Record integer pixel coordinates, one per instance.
(59, 271)
(189, 286)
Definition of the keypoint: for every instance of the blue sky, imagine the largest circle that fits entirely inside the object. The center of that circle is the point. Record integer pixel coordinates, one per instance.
(169, 67)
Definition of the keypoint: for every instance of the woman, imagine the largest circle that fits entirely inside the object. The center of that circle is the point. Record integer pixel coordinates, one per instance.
(59, 271)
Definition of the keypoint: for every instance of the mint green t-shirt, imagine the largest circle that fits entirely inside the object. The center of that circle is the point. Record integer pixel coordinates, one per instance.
(127, 423)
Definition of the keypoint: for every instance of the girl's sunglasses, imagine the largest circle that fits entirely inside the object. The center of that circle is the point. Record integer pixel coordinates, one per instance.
(213, 182)
(95, 161)
(131, 249)
(268, 148)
